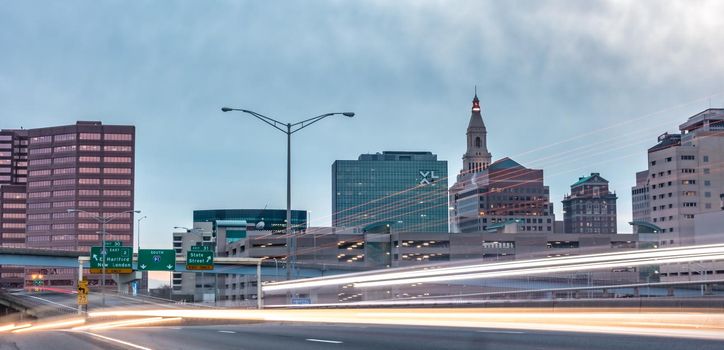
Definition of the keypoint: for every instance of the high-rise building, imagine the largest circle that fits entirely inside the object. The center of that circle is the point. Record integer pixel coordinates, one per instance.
(640, 204)
(591, 207)
(13, 177)
(225, 230)
(487, 194)
(686, 176)
(269, 219)
(393, 191)
(87, 166)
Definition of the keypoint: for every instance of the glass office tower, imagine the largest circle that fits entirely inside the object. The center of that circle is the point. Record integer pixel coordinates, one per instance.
(391, 192)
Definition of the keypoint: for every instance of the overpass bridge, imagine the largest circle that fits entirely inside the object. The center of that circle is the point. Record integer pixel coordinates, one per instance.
(29, 257)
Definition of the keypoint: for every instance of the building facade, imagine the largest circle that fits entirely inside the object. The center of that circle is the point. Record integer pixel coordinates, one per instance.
(686, 176)
(87, 166)
(591, 207)
(398, 191)
(493, 193)
(271, 219)
(229, 232)
(640, 204)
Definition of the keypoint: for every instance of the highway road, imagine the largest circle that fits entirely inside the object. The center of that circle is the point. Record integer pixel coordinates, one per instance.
(304, 336)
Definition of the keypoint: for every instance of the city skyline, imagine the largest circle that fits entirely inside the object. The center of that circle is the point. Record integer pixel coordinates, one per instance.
(545, 113)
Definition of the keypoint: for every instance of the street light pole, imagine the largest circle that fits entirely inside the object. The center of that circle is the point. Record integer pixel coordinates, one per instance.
(103, 220)
(138, 239)
(290, 249)
(289, 129)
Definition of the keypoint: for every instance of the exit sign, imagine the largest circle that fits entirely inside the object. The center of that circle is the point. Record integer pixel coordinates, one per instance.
(156, 260)
(200, 260)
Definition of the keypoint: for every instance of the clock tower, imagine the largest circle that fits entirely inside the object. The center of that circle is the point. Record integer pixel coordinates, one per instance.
(477, 158)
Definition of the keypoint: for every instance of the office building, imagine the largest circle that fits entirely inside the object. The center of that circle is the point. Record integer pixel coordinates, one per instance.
(686, 177)
(640, 204)
(225, 231)
(272, 219)
(391, 191)
(488, 193)
(87, 166)
(591, 207)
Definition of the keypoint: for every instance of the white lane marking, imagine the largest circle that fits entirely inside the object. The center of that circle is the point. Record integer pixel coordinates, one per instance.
(229, 332)
(117, 341)
(51, 302)
(324, 341)
(502, 332)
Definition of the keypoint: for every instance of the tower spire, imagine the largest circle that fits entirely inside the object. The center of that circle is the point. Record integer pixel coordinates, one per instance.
(476, 158)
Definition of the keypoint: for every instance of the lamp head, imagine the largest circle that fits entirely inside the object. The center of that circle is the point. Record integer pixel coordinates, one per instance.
(226, 109)
(348, 114)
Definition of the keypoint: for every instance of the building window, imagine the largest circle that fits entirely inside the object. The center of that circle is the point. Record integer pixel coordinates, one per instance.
(116, 181)
(117, 159)
(90, 170)
(705, 159)
(86, 193)
(40, 151)
(90, 136)
(65, 193)
(116, 170)
(64, 160)
(117, 148)
(90, 147)
(39, 172)
(40, 162)
(84, 181)
(64, 171)
(63, 149)
(88, 159)
(40, 139)
(64, 137)
(119, 137)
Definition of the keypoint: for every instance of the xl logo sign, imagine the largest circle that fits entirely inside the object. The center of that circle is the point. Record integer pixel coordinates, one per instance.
(428, 177)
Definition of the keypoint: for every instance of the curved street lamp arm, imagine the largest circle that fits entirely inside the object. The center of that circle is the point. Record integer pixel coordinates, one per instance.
(307, 122)
(271, 121)
(108, 219)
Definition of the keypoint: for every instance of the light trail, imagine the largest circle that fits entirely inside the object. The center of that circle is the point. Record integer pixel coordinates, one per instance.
(12, 326)
(620, 259)
(51, 325)
(651, 321)
(542, 270)
(126, 323)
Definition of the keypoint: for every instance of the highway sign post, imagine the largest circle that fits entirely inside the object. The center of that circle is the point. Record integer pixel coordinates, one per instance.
(199, 260)
(118, 259)
(83, 292)
(156, 260)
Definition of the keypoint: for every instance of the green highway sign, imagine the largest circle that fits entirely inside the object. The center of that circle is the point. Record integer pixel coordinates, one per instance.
(200, 260)
(114, 244)
(156, 260)
(118, 260)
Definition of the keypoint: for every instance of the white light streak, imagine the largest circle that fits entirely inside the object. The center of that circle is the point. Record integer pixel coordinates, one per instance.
(616, 259)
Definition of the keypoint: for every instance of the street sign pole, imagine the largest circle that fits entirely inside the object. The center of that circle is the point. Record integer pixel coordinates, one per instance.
(103, 258)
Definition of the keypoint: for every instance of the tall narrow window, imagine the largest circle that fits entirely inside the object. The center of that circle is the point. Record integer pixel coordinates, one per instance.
(477, 142)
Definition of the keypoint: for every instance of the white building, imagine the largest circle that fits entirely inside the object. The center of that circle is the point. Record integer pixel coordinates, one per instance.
(686, 177)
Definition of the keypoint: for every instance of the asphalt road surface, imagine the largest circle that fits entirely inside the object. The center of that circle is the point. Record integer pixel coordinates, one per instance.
(343, 337)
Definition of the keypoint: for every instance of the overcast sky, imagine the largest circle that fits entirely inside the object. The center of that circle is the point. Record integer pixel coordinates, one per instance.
(571, 87)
